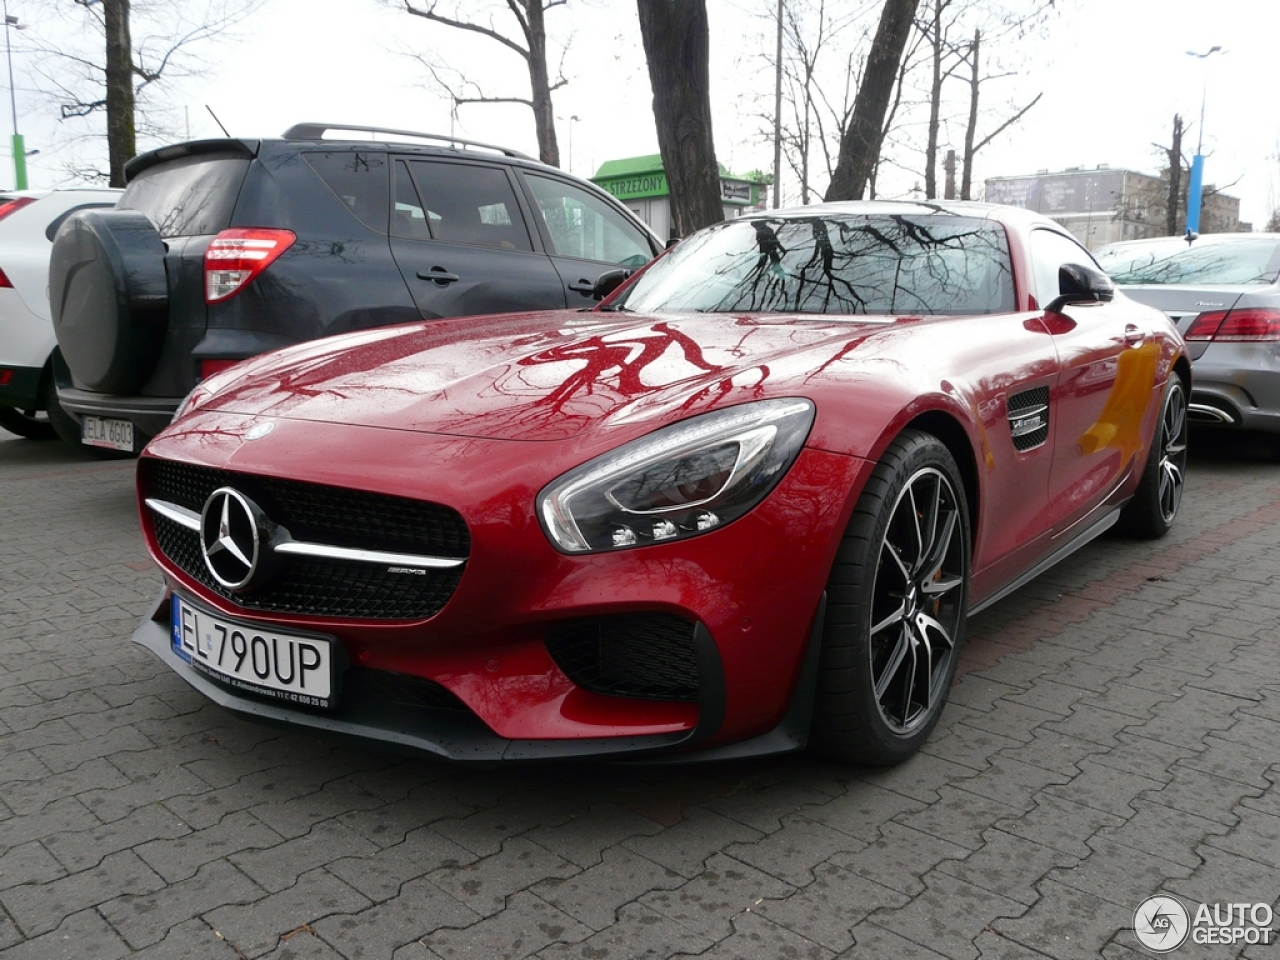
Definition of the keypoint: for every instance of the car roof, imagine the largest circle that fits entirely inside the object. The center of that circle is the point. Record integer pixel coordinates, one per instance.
(1202, 240)
(312, 135)
(1012, 216)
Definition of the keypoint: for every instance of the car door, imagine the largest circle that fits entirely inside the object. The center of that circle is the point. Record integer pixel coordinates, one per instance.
(584, 234)
(460, 239)
(1106, 367)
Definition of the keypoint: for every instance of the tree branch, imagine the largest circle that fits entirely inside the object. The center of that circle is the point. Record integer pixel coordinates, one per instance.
(489, 32)
(1008, 123)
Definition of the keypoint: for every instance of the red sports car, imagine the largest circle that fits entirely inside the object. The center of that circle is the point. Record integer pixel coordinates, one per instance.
(742, 506)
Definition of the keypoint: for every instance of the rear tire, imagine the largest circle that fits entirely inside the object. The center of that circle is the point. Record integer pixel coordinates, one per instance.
(896, 602)
(64, 424)
(31, 424)
(1151, 512)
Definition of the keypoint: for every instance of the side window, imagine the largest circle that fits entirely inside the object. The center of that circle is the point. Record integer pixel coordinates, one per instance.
(409, 219)
(465, 203)
(1049, 251)
(359, 180)
(584, 226)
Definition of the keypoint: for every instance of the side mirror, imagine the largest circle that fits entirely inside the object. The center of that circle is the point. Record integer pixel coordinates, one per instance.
(1078, 283)
(608, 282)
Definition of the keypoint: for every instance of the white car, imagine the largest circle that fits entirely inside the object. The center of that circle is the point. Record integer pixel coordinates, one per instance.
(28, 221)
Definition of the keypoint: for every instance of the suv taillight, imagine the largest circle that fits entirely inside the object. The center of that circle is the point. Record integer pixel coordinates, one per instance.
(1249, 324)
(17, 203)
(237, 256)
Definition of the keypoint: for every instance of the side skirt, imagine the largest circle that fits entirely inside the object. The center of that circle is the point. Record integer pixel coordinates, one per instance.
(1088, 534)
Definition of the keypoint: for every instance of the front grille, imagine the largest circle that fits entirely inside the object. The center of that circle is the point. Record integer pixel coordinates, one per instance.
(646, 656)
(319, 514)
(1029, 418)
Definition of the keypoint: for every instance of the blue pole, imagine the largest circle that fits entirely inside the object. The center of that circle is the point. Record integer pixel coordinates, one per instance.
(1194, 190)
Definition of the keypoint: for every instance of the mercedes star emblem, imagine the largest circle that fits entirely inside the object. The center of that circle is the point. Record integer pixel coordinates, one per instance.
(231, 537)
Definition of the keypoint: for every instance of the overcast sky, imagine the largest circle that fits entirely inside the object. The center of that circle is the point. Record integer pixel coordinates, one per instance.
(1113, 73)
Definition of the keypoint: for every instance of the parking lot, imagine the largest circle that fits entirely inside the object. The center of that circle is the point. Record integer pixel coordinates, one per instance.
(1113, 735)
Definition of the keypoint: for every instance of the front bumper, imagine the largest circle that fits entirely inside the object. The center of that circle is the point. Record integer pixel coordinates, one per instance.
(457, 736)
(749, 594)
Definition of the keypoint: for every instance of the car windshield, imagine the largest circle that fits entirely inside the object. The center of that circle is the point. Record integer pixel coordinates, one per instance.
(834, 264)
(1246, 261)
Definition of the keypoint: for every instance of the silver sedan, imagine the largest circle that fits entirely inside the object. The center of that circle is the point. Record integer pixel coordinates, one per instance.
(1223, 292)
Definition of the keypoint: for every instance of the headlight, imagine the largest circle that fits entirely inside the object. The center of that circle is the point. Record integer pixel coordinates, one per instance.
(689, 478)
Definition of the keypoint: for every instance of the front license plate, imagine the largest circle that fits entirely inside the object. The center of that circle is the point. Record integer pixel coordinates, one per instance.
(111, 434)
(285, 666)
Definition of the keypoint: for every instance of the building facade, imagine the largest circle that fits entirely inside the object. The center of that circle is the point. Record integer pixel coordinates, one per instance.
(1105, 205)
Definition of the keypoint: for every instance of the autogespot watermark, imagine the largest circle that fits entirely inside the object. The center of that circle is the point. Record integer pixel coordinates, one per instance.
(1163, 923)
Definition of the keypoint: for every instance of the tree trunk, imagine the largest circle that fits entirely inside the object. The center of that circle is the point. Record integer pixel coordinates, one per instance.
(1174, 204)
(935, 107)
(540, 85)
(121, 140)
(971, 130)
(676, 46)
(860, 144)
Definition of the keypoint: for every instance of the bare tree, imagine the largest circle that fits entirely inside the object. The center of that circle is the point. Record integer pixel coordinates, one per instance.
(530, 44)
(1173, 154)
(676, 46)
(132, 46)
(818, 101)
(860, 145)
(935, 29)
(971, 147)
(122, 140)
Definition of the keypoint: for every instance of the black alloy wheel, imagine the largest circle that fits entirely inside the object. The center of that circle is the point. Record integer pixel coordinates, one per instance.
(1154, 507)
(896, 607)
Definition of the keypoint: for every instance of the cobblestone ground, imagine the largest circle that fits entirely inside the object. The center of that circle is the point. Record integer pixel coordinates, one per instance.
(1113, 735)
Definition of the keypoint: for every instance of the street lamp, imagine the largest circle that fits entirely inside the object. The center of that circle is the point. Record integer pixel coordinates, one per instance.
(574, 118)
(1195, 188)
(19, 151)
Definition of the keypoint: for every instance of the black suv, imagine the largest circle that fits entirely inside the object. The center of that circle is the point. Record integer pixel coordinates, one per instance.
(223, 249)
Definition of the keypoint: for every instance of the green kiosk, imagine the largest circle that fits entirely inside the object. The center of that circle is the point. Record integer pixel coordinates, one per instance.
(641, 183)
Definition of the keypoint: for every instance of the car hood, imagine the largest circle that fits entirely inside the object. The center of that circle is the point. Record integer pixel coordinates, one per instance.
(545, 376)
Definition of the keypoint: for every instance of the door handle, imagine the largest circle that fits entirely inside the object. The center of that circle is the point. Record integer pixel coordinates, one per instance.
(584, 287)
(438, 274)
(1133, 336)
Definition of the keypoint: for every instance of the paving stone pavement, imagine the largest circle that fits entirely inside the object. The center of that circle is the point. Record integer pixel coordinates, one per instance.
(1113, 735)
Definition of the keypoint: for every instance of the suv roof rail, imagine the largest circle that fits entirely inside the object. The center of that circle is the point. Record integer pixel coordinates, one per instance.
(316, 131)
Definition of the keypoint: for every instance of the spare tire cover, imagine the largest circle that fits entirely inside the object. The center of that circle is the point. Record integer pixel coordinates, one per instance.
(109, 297)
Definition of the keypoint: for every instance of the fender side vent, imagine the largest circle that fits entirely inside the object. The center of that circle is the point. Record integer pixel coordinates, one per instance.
(1029, 418)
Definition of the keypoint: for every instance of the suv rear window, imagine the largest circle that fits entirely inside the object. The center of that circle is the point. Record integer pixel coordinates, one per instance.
(359, 179)
(190, 196)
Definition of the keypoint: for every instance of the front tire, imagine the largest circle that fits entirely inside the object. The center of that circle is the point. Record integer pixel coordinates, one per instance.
(896, 602)
(1151, 512)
